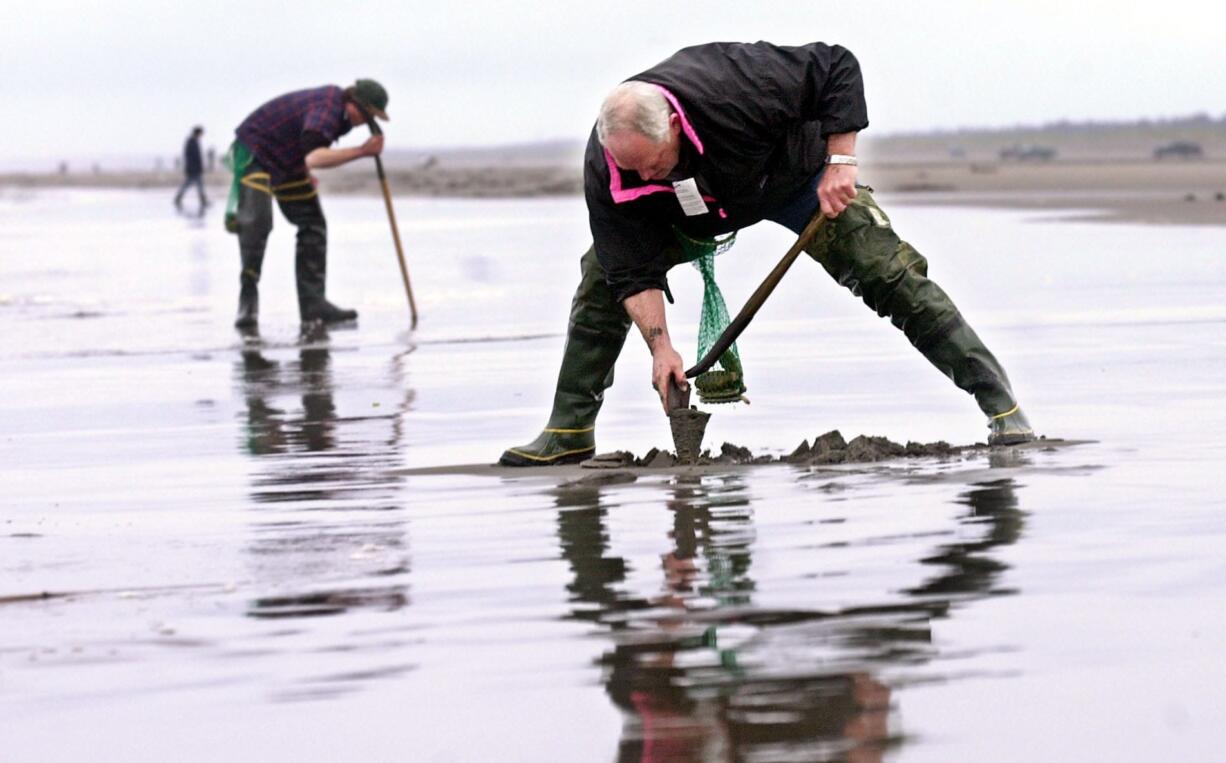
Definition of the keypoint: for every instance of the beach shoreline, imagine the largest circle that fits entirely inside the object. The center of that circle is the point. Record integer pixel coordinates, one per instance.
(1101, 190)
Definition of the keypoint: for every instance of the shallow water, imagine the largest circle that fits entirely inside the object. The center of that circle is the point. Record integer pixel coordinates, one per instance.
(212, 548)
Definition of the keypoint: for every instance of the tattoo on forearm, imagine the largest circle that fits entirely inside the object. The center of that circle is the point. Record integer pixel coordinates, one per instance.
(651, 334)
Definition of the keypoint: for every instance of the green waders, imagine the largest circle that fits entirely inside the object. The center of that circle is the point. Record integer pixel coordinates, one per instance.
(299, 202)
(863, 253)
(594, 338)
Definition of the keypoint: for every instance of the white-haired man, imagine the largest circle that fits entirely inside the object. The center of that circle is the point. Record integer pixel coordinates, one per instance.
(711, 140)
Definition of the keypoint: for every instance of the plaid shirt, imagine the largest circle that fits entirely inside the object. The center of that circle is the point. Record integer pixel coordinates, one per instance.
(274, 131)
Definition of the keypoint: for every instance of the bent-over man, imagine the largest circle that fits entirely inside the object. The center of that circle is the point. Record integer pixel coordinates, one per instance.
(276, 148)
(711, 140)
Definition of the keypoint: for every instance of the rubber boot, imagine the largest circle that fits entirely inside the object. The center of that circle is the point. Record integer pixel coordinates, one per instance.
(326, 312)
(248, 306)
(863, 253)
(959, 353)
(594, 339)
(311, 262)
(1010, 428)
(254, 218)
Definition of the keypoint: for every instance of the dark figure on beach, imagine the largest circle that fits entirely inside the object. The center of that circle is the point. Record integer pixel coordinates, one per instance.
(193, 169)
(272, 157)
(713, 139)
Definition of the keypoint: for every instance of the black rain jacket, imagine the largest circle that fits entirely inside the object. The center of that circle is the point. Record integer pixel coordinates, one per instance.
(193, 164)
(754, 117)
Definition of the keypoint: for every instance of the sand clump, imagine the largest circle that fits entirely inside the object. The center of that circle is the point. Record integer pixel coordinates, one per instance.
(829, 448)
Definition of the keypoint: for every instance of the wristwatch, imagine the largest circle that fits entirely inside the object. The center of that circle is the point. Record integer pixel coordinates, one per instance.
(841, 159)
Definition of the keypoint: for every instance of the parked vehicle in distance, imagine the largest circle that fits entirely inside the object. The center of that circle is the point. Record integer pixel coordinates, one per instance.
(1179, 149)
(1024, 153)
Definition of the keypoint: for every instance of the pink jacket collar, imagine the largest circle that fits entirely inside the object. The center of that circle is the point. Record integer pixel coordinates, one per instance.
(622, 195)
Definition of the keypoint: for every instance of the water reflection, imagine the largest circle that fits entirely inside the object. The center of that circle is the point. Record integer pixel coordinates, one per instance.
(969, 568)
(329, 535)
(585, 546)
(702, 673)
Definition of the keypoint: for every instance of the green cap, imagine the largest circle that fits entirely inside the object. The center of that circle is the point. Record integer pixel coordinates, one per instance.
(370, 95)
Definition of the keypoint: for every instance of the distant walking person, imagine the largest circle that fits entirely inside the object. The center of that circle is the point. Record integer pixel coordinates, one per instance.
(275, 150)
(193, 169)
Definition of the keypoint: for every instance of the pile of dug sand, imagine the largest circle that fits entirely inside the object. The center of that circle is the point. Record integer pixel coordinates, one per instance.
(829, 448)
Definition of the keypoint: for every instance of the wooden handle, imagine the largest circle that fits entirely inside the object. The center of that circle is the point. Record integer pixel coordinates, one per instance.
(391, 217)
(404, 268)
(756, 299)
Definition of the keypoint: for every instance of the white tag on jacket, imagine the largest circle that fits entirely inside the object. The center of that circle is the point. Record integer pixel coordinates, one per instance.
(690, 198)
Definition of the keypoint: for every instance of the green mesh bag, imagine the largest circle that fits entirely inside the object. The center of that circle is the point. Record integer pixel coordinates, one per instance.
(237, 160)
(725, 382)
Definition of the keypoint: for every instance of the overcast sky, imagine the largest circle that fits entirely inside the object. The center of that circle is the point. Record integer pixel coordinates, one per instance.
(86, 79)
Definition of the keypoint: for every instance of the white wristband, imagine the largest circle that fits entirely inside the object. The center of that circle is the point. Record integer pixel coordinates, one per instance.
(841, 159)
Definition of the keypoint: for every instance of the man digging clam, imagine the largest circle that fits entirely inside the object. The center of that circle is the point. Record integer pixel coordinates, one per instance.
(711, 140)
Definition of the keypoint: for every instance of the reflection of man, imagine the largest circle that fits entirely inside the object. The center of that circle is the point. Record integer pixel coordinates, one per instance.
(688, 696)
(685, 695)
(269, 430)
(713, 139)
(967, 565)
(292, 564)
(193, 169)
(276, 148)
(691, 690)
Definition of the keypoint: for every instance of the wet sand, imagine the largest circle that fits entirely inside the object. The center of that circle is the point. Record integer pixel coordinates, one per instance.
(624, 466)
(220, 548)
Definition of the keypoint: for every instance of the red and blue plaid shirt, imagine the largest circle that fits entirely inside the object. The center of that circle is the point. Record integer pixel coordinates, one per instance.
(277, 135)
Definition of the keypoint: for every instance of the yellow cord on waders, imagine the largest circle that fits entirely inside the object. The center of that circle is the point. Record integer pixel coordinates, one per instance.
(237, 160)
(726, 382)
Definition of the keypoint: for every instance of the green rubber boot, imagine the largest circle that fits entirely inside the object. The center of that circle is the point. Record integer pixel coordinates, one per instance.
(253, 224)
(1009, 428)
(554, 445)
(959, 353)
(248, 304)
(863, 253)
(311, 261)
(594, 339)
